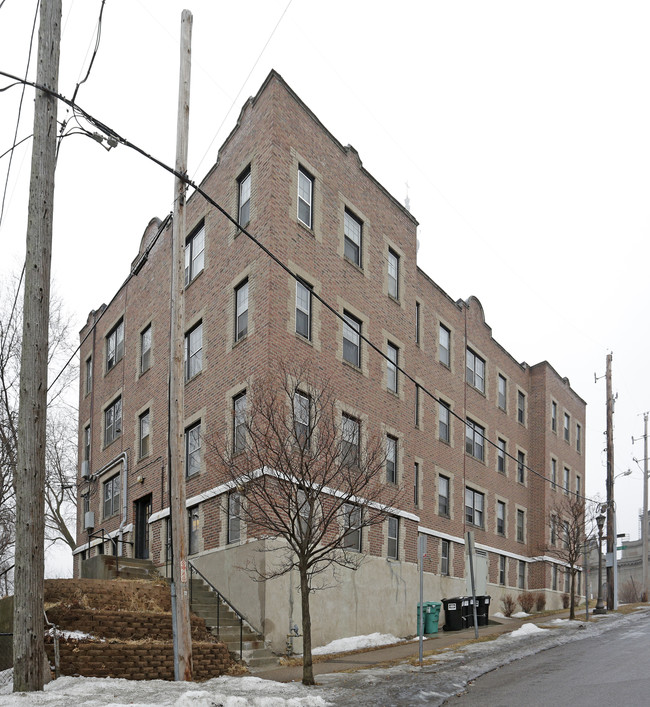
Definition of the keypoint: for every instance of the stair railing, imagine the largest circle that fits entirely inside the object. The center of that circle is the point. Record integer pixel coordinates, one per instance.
(222, 598)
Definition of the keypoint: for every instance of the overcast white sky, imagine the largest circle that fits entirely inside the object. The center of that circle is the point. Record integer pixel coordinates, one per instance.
(522, 129)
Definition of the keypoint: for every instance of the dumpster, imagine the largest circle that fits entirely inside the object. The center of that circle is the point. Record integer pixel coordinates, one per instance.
(468, 611)
(483, 610)
(453, 614)
(431, 615)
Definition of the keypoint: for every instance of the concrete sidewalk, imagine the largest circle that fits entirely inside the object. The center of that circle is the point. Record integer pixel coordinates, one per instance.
(375, 657)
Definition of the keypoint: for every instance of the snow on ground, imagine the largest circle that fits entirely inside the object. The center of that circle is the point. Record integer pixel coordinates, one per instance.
(499, 615)
(353, 643)
(526, 630)
(520, 615)
(74, 635)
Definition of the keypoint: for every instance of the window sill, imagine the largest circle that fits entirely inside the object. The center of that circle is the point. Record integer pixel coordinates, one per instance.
(394, 299)
(353, 366)
(305, 227)
(241, 339)
(193, 378)
(396, 560)
(356, 266)
(106, 446)
(193, 280)
(304, 339)
(444, 515)
(143, 373)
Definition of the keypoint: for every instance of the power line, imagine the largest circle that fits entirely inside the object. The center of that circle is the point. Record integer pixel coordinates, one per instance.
(92, 59)
(116, 137)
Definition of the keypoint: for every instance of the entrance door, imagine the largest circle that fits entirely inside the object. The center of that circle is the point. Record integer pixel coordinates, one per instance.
(142, 513)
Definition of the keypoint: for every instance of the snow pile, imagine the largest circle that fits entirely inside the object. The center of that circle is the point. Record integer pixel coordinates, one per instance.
(499, 615)
(74, 635)
(520, 615)
(526, 630)
(353, 643)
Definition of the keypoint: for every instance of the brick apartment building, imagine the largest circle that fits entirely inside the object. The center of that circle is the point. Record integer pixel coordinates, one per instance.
(493, 454)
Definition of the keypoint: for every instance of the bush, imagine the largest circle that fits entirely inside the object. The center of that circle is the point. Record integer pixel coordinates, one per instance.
(509, 604)
(566, 600)
(540, 601)
(526, 601)
(628, 593)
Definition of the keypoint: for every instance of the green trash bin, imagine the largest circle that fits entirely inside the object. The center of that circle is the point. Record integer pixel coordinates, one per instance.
(431, 616)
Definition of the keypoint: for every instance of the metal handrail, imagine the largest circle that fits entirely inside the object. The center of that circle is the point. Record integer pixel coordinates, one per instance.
(223, 599)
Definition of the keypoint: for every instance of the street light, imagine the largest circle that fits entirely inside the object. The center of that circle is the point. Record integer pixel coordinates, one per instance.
(600, 605)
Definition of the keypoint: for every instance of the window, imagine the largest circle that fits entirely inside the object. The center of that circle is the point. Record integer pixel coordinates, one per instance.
(303, 310)
(113, 421)
(501, 518)
(417, 323)
(239, 423)
(521, 575)
(553, 416)
(351, 527)
(145, 433)
(521, 407)
(474, 507)
(115, 345)
(241, 311)
(245, 198)
(566, 481)
(193, 534)
(567, 581)
(553, 530)
(475, 370)
(112, 496)
(501, 455)
(502, 570)
(145, 349)
(351, 340)
(578, 489)
(443, 496)
(393, 537)
(444, 558)
(194, 351)
(567, 427)
(521, 521)
(578, 438)
(193, 450)
(444, 346)
(349, 441)
(234, 517)
(566, 534)
(86, 451)
(305, 194)
(474, 435)
(554, 585)
(393, 274)
(391, 367)
(89, 374)
(417, 405)
(194, 248)
(391, 460)
(521, 467)
(85, 501)
(301, 410)
(352, 238)
(443, 422)
(501, 391)
(416, 484)
(554, 474)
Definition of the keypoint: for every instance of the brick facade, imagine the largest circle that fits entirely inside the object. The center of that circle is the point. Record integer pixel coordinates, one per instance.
(276, 139)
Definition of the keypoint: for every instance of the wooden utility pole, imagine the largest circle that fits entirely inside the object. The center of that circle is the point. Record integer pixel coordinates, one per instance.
(180, 583)
(29, 478)
(611, 532)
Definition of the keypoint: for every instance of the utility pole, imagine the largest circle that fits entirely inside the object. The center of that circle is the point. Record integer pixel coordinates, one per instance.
(644, 522)
(180, 584)
(29, 479)
(611, 532)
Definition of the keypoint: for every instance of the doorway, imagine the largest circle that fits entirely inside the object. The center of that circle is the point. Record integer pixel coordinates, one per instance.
(142, 513)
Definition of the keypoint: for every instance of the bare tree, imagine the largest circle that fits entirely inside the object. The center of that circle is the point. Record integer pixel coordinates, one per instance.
(306, 474)
(61, 450)
(567, 538)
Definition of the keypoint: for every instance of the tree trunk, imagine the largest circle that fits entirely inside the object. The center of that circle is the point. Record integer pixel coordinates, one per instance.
(307, 668)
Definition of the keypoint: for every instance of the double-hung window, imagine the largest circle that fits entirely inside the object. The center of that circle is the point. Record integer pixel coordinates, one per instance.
(553, 530)
(521, 525)
(501, 517)
(521, 467)
(303, 309)
(444, 558)
(566, 480)
(393, 274)
(89, 374)
(475, 370)
(567, 427)
(416, 484)
(444, 346)
(86, 451)
(351, 527)
(443, 496)
(554, 474)
(112, 496)
(301, 410)
(391, 459)
(352, 238)
(113, 421)
(391, 367)
(194, 254)
(145, 433)
(443, 422)
(194, 529)
(234, 517)
(239, 423)
(349, 441)
(241, 310)
(521, 575)
(193, 449)
(244, 214)
(351, 339)
(502, 570)
(474, 440)
(393, 537)
(145, 349)
(115, 345)
(501, 455)
(194, 351)
(521, 407)
(578, 439)
(474, 504)
(305, 196)
(553, 416)
(502, 385)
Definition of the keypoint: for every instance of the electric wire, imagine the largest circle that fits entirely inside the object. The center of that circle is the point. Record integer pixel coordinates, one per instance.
(197, 188)
(92, 58)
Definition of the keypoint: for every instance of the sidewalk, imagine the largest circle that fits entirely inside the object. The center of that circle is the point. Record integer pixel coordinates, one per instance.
(400, 652)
